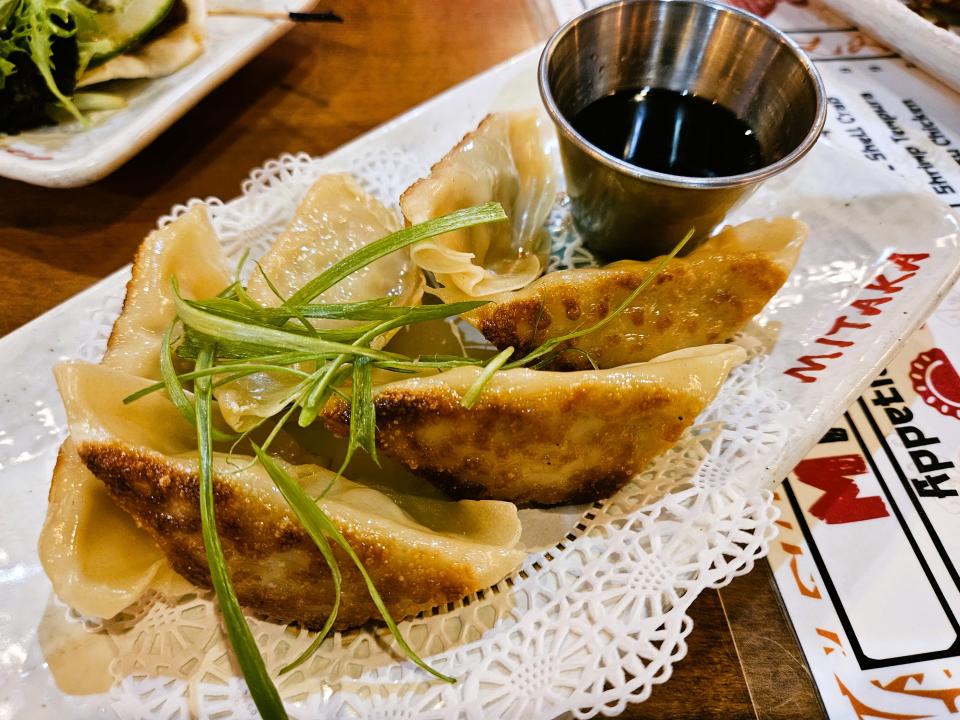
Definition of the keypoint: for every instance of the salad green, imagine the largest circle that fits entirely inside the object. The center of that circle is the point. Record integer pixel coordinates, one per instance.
(46, 45)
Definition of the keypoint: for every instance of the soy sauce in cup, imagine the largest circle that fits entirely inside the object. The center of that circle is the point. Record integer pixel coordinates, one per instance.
(670, 132)
(595, 66)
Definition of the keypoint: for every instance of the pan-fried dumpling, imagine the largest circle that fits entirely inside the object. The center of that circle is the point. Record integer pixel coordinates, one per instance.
(539, 437)
(704, 297)
(335, 219)
(98, 560)
(420, 553)
(504, 159)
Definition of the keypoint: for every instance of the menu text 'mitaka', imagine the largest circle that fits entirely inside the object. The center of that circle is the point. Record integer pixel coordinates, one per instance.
(843, 334)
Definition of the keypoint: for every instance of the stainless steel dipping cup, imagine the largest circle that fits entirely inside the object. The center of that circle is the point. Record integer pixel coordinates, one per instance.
(708, 49)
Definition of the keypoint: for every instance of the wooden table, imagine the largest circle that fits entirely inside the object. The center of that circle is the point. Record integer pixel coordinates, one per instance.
(317, 88)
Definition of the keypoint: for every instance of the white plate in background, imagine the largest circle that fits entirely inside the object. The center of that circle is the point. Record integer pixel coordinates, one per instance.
(71, 155)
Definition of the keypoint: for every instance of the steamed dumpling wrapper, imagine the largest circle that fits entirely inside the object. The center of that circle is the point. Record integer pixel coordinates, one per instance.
(704, 297)
(158, 56)
(188, 249)
(335, 218)
(96, 556)
(420, 552)
(98, 559)
(504, 159)
(540, 437)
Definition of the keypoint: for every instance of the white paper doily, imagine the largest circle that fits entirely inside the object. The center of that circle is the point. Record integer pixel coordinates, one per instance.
(585, 626)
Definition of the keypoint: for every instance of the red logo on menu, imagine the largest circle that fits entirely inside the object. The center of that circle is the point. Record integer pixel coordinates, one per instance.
(936, 380)
(841, 501)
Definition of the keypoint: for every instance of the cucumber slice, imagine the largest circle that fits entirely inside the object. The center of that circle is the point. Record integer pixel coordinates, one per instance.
(124, 23)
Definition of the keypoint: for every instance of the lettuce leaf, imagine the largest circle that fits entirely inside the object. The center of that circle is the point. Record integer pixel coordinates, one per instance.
(6, 11)
(6, 67)
(29, 29)
(37, 23)
(7, 44)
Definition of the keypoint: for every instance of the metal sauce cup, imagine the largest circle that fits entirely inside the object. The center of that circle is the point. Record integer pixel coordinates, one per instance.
(708, 49)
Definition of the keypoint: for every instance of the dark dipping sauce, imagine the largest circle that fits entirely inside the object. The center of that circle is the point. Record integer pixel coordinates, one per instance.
(670, 132)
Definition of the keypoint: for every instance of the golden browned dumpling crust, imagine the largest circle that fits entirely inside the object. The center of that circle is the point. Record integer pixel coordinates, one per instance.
(420, 552)
(690, 303)
(542, 438)
(705, 297)
(275, 567)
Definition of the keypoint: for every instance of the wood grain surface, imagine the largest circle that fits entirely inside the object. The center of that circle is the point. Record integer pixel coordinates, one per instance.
(315, 89)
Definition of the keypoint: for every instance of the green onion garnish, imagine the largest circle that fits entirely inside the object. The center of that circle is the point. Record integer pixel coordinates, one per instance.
(363, 414)
(175, 391)
(473, 392)
(232, 336)
(233, 325)
(239, 331)
(490, 212)
(262, 689)
(316, 522)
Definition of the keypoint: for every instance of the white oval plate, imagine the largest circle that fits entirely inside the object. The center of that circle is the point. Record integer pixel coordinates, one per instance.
(587, 625)
(70, 155)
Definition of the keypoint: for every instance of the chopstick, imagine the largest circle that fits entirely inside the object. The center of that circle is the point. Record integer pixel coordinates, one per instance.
(317, 17)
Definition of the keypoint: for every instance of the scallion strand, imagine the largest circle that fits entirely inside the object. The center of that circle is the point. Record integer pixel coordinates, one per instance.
(237, 331)
(273, 288)
(363, 411)
(262, 689)
(468, 217)
(175, 391)
(473, 393)
(290, 488)
(378, 309)
(312, 408)
(238, 371)
(306, 514)
(330, 376)
(266, 318)
(426, 363)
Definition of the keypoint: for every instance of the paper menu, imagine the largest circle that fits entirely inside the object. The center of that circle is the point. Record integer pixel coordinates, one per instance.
(868, 556)
(868, 553)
